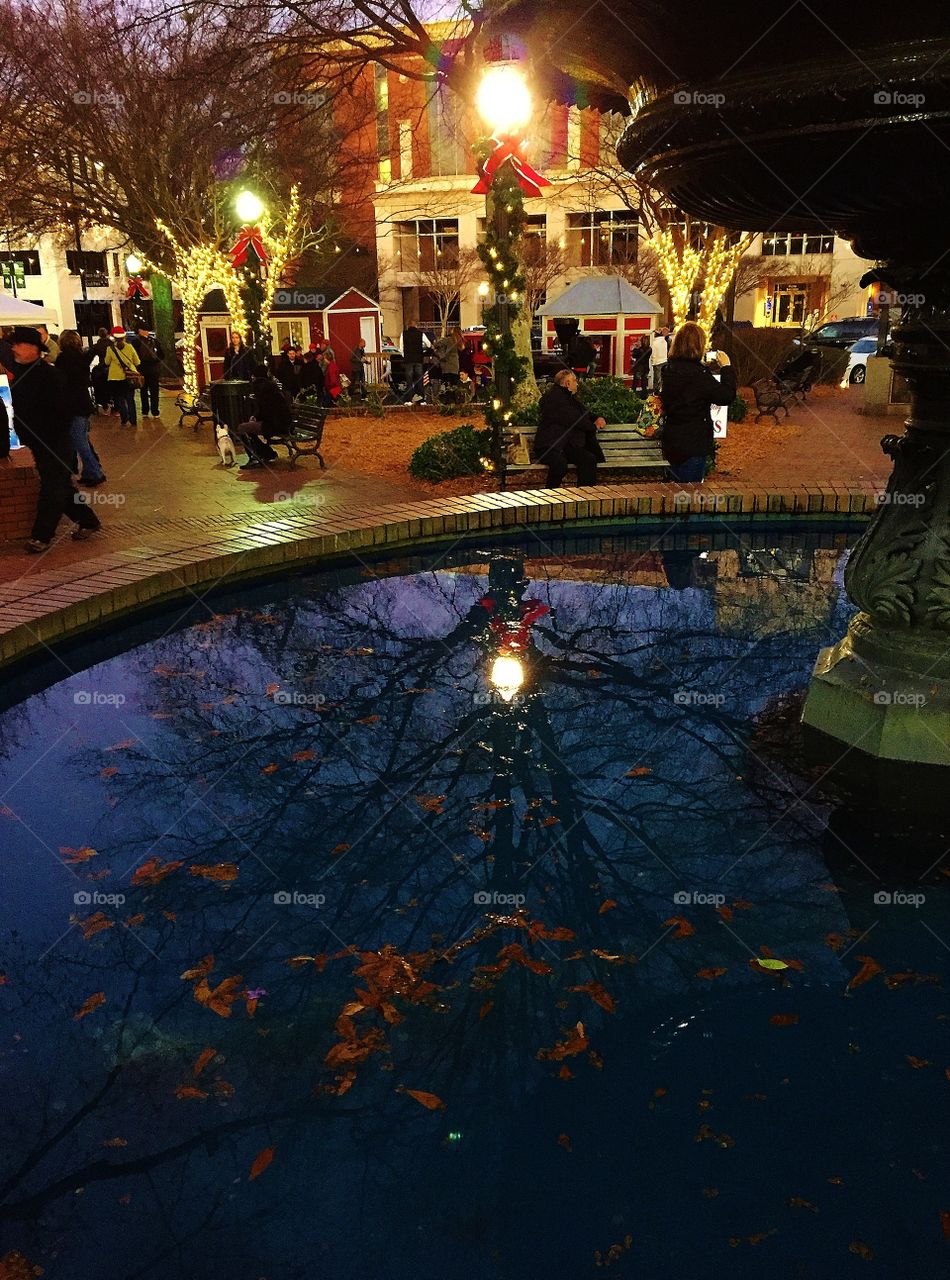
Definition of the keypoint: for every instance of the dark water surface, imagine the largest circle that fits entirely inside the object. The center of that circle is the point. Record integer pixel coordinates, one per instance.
(542, 916)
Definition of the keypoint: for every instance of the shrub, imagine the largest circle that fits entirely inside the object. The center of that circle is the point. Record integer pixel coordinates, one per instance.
(529, 416)
(756, 353)
(450, 454)
(738, 410)
(610, 399)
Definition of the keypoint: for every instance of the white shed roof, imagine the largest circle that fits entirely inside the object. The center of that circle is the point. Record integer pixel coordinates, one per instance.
(601, 296)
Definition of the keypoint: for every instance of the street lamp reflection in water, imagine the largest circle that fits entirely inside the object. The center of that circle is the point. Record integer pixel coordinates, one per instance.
(506, 676)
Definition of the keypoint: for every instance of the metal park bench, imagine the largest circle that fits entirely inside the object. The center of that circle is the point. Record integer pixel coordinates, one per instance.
(193, 411)
(625, 448)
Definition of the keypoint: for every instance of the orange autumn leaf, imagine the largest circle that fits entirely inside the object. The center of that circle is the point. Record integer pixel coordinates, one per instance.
(486, 1009)
(92, 924)
(599, 994)
(575, 1042)
(430, 1100)
(917, 1063)
(115, 1142)
(219, 999)
(709, 974)
(559, 933)
(73, 857)
(834, 940)
(725, 912)
(564, 1141)
(861, 1249)
(340, 848)
(299, 756)
(271, 690)
(565, 1073)
(368, 720)
(220, 871)
(89, 1005)
(134, 921)
(202, 1060)
(190, 1091)
(270, 768)
(640, 771)
(153, 871)
(110, 772)
(201, 969)
(608, 904)
(261, 1162)
(551, 822)
(869, 967)
(783, 1019)
(123, 745)
(680, 925)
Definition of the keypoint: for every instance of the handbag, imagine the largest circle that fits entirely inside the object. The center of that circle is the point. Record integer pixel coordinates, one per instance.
(132, 375)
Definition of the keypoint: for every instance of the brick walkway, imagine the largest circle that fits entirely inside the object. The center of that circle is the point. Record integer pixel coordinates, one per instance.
(177, 522)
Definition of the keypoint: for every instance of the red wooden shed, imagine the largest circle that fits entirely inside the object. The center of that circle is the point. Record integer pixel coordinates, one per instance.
(608, 308)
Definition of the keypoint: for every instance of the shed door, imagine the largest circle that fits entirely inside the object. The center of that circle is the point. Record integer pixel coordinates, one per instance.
(368, 332)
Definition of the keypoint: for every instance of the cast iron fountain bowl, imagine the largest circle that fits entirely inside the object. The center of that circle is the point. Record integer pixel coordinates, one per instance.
(769, 115)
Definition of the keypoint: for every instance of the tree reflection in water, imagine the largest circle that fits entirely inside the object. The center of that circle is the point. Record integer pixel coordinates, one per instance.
(425, 887)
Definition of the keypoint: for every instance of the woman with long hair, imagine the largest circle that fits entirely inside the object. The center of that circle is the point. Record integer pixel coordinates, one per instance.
(238, 359)
(689, 389)
(72, 367)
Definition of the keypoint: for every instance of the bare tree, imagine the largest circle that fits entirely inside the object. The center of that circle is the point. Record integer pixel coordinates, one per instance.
(544, 263)
(447, 278)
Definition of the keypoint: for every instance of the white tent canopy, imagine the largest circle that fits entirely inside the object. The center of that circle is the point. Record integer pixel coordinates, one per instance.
(16, 311)
(601, 296)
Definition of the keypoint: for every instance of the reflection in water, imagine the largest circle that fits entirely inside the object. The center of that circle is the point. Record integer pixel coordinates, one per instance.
(408, 923)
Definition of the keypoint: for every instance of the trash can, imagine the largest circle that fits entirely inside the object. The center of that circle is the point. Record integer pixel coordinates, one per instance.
(230, 402)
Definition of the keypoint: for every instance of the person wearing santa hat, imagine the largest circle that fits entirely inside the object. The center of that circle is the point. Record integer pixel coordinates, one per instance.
(122, 362)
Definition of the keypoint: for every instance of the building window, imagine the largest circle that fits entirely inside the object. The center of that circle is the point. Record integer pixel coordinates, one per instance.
(792, 244)
(89, 264)
(383, 144)
(600, 238)
(449, 152)
(427, 243)
(28, 260)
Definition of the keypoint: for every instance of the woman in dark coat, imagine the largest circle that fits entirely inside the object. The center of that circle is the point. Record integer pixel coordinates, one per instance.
(287, 373)
(689, 388)
(72, 367)
(238, 359)
(640, 364)
(311, 375)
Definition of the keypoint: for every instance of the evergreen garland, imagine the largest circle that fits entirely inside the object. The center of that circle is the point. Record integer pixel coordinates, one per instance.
(501, 257)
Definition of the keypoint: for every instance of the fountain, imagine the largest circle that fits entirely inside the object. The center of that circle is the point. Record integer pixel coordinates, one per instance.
(770, 117)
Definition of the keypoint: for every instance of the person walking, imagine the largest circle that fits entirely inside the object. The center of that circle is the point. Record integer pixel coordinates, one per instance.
(689, 388)
(50, 345)
(412, 345)
(332, 386)
(640, 365)
(567, 434)
(659, 355)
(359, 361)
(72, 367)
(122, 363)
(150, 353)
(42, 418)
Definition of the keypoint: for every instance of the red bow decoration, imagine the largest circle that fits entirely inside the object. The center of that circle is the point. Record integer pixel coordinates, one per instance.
(507, 148)
(512, 636)
(250, 238)
(137, 288)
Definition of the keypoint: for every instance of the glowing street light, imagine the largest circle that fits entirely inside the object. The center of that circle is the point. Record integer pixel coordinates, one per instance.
(504, 100)
(248, 206)
(133, 264)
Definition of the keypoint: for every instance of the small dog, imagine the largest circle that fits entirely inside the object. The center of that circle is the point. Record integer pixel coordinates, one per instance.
(225, 446)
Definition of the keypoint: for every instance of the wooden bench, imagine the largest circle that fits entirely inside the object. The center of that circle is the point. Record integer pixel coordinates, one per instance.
(193, 411)
(623, 445)
(306, 434)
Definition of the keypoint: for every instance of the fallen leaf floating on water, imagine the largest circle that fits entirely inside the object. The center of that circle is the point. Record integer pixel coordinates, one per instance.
(735, 1241)
(431, 1101)
(299, 756)
(340, 848)
(202, 1060)
(271, 690)
(201, 969)
(133, 922)
(430, 804)
(606, 955)
(486, 1009)
(861, 1249)
(269, 769)
(368, 720)
(564, 1141)
(783, 1019)
(565, 1073)
(261, 1162)
(706, 1134)
(680, 925)
(153, 871)
(726, 913)
(917, 1063)
(219, 999)
(834, 940)
(640, 771)
(709, 974)
(220, 871)
(123, 745)
(110, 772)
(768, 963)
(92, 924)
(615, 1252)
(869, 967)
(89, 1005)
(115, 1142)
(551, 822)
(190, 1091)
(559, 933)
(14, 1266)
(575, 1042)
(608, 904)
(796, 1202)
(600, 995)
(74, 857)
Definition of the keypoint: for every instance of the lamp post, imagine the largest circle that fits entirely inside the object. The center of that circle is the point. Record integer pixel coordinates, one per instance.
(137, 291)
(249, 254)
(504, 103)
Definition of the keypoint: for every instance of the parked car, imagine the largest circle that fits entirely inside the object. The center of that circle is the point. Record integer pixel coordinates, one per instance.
(856, 371)
(841, 333)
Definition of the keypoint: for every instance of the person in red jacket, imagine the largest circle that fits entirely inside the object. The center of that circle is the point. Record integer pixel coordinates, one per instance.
(332, 386)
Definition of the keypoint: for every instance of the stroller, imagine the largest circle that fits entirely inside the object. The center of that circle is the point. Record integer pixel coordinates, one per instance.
(789, 384)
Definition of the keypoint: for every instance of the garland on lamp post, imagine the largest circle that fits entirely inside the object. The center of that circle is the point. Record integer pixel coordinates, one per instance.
(504, 227)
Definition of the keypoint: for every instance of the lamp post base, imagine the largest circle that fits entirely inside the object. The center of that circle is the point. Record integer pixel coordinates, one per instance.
(884, 692)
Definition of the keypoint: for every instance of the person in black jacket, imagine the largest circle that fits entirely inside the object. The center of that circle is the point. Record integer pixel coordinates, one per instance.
(72, 367)
(311, 375)
(640, 358)
(150, 353)
(567, 435)
(272, 417)
(42, 418)
(288, 373)
(689, 388)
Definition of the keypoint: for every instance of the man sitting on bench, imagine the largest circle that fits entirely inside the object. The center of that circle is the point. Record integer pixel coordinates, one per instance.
(272, 417)
(567, 435)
